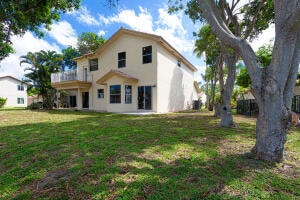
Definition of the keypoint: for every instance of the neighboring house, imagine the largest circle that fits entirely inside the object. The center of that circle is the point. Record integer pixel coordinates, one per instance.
(14, 90)
(297, 90)
(133, 71)
(202, 97)
(249, 95)
(34, 99)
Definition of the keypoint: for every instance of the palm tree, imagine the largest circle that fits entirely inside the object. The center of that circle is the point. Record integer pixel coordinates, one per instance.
(208, 44)
(41, 65)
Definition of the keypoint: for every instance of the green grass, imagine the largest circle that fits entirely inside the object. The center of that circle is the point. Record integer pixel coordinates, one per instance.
(88, 155)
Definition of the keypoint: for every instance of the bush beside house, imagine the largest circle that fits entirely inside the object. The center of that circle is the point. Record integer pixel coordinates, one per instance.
(2, 102)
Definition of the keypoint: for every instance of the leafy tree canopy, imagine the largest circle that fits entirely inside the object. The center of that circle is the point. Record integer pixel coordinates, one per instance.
(41, 65)
(17, 17)
(254, 16)
(208, 43)
(243, 79)
(89, 42)
(264, 55)
(68, 55)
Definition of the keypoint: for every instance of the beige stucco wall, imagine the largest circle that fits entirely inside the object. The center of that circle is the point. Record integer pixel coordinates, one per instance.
(297, 90)
(175, 89)
(9, 90)
(108, 60)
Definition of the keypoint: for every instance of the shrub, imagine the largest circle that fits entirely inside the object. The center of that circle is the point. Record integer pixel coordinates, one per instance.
(35, 105)
(2, 102)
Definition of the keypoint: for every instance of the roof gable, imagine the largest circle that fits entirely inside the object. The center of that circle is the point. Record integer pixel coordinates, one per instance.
(160, 40)
(112, 73)
(10, 77)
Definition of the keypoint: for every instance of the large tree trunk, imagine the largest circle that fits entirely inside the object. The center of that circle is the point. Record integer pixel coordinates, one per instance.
(271, 127)
(271, 83)
(210, 105)
(207, 96)
(226, 90)
(213, 90)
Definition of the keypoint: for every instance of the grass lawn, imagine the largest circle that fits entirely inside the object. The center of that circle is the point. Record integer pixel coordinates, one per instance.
(88, 155)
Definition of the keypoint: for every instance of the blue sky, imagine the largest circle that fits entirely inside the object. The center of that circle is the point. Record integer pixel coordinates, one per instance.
(95, 16)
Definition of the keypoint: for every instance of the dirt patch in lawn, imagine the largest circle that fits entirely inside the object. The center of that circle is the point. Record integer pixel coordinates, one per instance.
(55, 184)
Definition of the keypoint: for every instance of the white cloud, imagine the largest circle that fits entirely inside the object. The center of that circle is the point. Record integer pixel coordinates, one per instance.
(104, 20)
(101, 33)
(198, 74)
(63, 33)
(171, 22)
(140, 22)
(265, 38)
(170, 27)
(22, 45)
(83, 15)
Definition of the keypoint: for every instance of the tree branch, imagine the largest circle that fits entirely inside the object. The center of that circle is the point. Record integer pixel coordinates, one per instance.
(294, 19)
(285, 41)
(212, 15)
(220, 70)
(290, 84)
(251, 26)
(234, 5)
(233, 19)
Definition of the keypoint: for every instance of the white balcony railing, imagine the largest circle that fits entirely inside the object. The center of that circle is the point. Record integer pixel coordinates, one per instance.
(71, 75)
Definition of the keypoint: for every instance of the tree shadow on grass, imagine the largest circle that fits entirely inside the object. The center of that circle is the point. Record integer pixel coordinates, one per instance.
(109, 156)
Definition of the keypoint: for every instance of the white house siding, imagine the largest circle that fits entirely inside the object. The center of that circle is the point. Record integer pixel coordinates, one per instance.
(175, 84)
(9, 90)
(108, 60)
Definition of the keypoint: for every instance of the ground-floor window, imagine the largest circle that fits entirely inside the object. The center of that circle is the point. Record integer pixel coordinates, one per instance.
(100, 93)
(115, 94)
(128, 94)
(20, 100)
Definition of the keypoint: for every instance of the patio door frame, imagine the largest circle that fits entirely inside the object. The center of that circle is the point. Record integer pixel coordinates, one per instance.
(144, 97)
(85, 100)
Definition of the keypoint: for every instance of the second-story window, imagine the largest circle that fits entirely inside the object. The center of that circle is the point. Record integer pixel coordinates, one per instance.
(94, 64)
(20, 87)
(122, 59)
(178, 63)
(147, 54)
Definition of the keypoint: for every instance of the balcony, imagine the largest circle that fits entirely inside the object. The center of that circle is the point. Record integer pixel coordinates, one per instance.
(71, 75)
(72, 79)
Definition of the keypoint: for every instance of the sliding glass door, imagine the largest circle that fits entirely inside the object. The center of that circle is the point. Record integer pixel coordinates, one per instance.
(145, 97)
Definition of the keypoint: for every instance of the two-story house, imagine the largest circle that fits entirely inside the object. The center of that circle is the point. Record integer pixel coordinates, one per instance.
(132, 71)
(14, 90)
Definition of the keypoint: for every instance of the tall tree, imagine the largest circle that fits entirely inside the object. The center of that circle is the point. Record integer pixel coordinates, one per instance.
(208, 43)
(273, 85)
(17, 17)
(41, 65)
(89, 42)
(243, 21)
(264, 55)
(68, 55)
